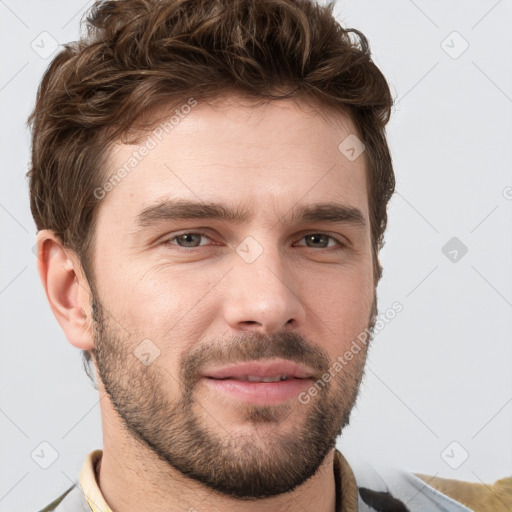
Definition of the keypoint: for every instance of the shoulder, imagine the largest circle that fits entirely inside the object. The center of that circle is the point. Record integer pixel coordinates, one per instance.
(72, 500)
(53, 505)
(494, 497)
(381, 487)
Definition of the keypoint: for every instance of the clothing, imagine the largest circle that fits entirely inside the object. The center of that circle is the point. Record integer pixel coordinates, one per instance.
(359, 488)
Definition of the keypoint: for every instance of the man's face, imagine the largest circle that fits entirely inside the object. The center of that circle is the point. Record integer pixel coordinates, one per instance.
(182, 303)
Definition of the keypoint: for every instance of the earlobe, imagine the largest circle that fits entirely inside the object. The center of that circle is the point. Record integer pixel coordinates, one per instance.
(66, 288)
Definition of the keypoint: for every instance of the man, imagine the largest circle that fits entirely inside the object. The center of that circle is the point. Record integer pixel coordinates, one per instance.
(210, 180)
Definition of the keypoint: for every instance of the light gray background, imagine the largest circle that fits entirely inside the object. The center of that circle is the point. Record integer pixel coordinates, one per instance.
(439, 373)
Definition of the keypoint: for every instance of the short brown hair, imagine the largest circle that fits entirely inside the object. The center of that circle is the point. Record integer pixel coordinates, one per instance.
(139, 54)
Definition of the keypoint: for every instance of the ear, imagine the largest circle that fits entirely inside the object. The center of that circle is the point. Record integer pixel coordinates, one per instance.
(66, 288)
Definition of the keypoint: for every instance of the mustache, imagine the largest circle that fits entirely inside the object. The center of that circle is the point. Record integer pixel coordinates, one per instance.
(245, 347)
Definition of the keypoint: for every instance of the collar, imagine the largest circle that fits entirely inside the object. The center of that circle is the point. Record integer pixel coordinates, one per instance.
(89, 483)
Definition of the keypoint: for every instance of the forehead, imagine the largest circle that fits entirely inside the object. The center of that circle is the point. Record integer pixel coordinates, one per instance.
(233, 151)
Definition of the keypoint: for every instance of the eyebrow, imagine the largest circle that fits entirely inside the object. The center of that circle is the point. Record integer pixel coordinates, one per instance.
(180, 209)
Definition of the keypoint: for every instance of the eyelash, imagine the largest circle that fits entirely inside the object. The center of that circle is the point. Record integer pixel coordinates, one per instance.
(168, 241)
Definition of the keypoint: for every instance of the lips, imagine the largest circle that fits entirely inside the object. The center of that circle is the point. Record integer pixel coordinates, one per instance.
(260, 382)
(261, 371)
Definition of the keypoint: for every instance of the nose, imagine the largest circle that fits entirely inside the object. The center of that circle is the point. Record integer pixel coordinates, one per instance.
(263, 295)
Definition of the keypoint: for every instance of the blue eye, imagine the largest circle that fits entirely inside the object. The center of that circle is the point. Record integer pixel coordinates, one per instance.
(316, 237)
(192, 240)
(188, 238)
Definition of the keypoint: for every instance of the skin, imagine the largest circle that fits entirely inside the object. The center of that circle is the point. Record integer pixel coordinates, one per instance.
(207, 305)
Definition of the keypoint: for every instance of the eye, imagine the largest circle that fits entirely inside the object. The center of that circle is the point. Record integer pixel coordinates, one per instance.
(188, 239)
(319, 240)
(192, 240)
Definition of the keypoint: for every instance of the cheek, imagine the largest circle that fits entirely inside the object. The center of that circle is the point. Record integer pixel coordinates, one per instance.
(168, 307)
(341, 304)
(176, 307)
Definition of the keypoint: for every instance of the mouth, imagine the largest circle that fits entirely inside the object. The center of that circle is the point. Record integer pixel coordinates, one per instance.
(260, 382)
(256, 378)
(275, 369)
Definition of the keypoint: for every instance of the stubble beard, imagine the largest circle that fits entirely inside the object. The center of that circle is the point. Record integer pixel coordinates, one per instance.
(287, 443)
